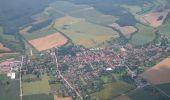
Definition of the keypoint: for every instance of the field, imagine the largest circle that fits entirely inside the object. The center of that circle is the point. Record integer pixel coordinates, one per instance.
(84, 33)
(48, 42)
(8, 91)
(146, 93)
(164, 87)
(144, 35)
(111, 90)
(64, 98)
(155, 19)
(39, 97)
(158, 74)
(164, 29)
(125, 30)
(3, 48)
(122, 97)
(5, 56)
(37, 87)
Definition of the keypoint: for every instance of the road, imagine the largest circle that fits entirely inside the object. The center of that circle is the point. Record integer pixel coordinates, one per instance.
(21, 79)
(56, 61)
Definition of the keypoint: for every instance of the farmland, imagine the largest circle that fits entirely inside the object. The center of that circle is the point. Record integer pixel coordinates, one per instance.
(158, 74)
(48, 42)
(84, 33)
(37, 87)
(111, 90)
(39, 97)
(144, 35)
(8, 88)
(122, 97)
(164, 29)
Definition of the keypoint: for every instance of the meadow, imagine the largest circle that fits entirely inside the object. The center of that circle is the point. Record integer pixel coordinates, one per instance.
(111, 90)
(39, 97)
(144, 35)
(164, 29)
(9, 90)
(37, 87)
(84, 33)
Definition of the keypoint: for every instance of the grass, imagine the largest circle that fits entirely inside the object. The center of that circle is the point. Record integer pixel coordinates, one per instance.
(8, 56)
(111, 90)
(37, 87)
(39, 97)
(106, 78)
(10, 90)
(144, 35)
(165, 88)
(165, 29)
(85, 33)
(35, 35)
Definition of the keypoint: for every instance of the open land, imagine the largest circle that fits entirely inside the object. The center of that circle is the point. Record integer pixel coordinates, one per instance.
(125, 30)
(64, 98)
(48, 42)
(144, 35)
(155, 19)
(122, 97)
(158, 74)
(37, 87)
(3, 48)
(84, 33)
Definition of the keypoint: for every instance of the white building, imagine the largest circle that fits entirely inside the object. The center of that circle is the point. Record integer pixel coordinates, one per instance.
(11, 75)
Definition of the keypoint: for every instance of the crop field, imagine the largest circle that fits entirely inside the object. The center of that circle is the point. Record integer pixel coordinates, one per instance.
(147, 93)
(37, 87)
(3, 48)
(39, 97)
(164, 87)
(84, 33)
(125, 30)
(4, 56)
(122, 97)
(158, 74)
(155, 19)
(64, 98)
(48, 42)
(165, 29)
(8, 91)
(111, 90)
(144, 35)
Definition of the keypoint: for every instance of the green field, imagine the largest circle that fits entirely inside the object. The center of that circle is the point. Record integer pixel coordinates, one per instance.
(165, 29)
(39, 34)
(9, 89)
(145, 35)
(111, 90)
(165, 88)
(84, 33)
(37, 87)
(39, 97)
(147, 93)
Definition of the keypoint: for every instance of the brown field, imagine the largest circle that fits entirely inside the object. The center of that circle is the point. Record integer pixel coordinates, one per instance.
(4, 48)
(64, 98)
(122, 97)
(126, 30)
(152, 18)
(48, 42)
(159, 74)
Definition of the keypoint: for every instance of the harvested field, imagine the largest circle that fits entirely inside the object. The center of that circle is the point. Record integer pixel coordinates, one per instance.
(126, 30)
(48, 42)
(159, 73)
(155, 19)
(122, 97)
(63, 98)
(3, 48)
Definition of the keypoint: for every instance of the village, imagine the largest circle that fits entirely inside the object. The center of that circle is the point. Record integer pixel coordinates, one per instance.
(81, 71)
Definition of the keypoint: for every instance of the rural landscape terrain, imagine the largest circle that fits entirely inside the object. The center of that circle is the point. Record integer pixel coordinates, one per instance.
(84, 50)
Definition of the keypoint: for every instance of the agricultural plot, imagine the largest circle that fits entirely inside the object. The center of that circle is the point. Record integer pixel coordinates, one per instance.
(158, 74)
(144, 35)
(3, 48)
(9, 90)
(64, 98)
(155, 19)
(164, 87)
(111, 90)
(125, 30)
(122, 97)
(165, 29)
(37, 87)
(84, 33)
(48, 42)
(39, 97)
(147, 93)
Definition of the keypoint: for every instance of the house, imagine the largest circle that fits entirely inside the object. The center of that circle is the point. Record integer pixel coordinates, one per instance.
(11, 75)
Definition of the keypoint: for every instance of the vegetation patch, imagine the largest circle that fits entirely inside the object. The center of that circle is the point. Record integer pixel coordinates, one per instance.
(39, 97)
(37, 87)
(144, 35)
